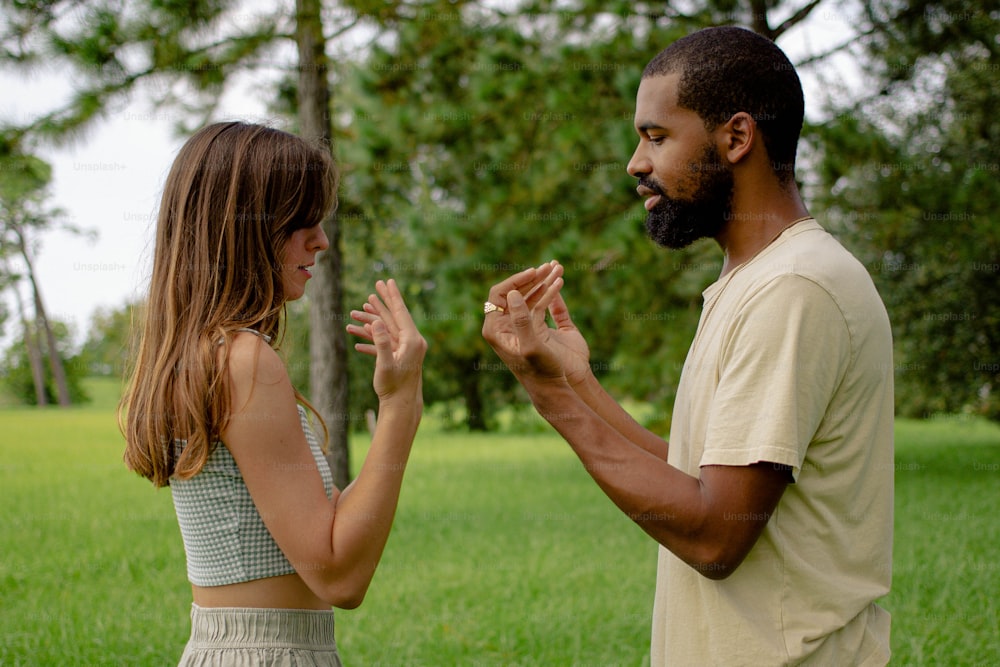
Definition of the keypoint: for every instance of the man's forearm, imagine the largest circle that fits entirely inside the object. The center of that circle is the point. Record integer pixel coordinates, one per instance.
(664, 501)
(598, 400)
(700, 519)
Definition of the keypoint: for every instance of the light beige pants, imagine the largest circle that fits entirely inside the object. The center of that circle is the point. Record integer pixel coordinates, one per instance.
(239, 637)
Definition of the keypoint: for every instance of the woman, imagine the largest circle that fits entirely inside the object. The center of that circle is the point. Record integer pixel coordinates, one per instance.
(210, 409)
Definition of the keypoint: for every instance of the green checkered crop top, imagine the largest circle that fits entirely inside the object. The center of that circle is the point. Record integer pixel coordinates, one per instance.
(225, 540)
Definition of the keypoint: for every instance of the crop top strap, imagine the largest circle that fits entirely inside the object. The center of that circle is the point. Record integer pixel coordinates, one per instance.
(267, 339)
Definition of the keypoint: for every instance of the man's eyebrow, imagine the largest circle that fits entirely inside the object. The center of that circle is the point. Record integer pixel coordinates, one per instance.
(649, 125)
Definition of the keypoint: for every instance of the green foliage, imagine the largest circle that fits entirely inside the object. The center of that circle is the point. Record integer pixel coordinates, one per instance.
(22, 175)
(112, 47)
(24, 188)
(534, 567)
(15, 370)
(109, 341)
(478, 145)
(477, 140)
(911, 182)
(24, 215)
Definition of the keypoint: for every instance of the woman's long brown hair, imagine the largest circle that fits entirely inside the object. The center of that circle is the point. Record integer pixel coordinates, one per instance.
(234, 195)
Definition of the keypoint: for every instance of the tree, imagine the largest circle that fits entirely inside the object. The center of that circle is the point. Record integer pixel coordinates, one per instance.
(474, 139)
(329, 384)
(186, 53)
(32, 351)
(17, 371)
(909, 175)
(24, 181)
(482, 142)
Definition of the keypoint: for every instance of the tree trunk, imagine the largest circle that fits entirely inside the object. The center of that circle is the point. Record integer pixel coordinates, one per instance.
(42, 320)
(328, 384)
(474, 419)
(34, 354)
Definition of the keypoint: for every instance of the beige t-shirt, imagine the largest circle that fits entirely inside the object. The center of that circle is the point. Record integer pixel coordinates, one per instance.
(791, 364)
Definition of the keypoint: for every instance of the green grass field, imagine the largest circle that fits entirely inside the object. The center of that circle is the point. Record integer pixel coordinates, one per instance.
(504, 552)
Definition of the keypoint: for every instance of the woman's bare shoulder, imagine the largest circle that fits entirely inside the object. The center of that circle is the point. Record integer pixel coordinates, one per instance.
(253, 362)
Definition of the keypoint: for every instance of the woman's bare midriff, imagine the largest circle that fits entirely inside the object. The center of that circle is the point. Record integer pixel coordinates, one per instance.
(287, 591)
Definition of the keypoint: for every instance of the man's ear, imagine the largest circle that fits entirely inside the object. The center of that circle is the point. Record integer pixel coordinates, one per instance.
(738, 136)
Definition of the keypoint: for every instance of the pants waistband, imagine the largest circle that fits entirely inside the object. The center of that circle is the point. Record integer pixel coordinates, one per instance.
(235, 627)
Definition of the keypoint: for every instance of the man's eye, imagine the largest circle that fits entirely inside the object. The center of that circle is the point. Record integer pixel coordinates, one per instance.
(657, 140)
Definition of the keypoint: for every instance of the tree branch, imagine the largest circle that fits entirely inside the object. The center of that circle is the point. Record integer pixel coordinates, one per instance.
(794, 19)
(840, 47)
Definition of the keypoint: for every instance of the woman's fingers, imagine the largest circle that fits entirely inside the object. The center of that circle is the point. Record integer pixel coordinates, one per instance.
(397, 305)
(365, 319)
(386, 323)
(376, 306)
(363, 316)
(384, 343)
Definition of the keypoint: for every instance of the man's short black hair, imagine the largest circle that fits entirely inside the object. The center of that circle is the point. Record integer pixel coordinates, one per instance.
(726, 70)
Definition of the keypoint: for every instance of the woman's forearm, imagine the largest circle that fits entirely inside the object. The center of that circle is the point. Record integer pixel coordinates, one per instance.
(365, 510)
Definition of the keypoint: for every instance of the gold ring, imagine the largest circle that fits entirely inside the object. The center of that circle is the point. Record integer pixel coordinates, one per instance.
(490, 307)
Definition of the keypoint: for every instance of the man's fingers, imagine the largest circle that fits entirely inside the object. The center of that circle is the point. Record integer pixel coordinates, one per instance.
(560, 313)
(518, 309)
(522, 282)
(521, 317)
(516, 281)
(547, 297)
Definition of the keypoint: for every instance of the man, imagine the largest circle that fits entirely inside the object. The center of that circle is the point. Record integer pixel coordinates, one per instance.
(772, 500)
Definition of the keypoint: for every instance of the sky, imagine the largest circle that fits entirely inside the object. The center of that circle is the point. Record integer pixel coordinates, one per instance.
(109, 181)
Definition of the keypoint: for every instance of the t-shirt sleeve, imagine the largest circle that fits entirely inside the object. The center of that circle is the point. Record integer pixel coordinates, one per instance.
(784, 355)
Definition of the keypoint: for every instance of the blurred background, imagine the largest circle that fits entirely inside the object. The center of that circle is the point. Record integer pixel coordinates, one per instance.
(475, 139)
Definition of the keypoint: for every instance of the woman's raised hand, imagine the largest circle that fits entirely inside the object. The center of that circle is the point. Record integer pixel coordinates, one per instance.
(395, 342)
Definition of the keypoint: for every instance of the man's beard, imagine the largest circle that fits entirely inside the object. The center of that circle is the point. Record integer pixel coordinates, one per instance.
(677, 223)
